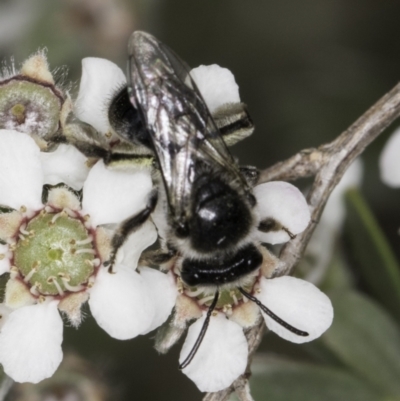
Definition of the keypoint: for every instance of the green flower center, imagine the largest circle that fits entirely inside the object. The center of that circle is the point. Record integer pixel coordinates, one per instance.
(29, 107)
(55, 253)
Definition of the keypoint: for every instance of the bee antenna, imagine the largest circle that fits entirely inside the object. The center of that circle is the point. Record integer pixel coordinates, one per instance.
(272, 315)
(200, 338)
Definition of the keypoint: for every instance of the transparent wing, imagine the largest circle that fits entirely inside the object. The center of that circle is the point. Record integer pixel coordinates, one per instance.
(182, 130)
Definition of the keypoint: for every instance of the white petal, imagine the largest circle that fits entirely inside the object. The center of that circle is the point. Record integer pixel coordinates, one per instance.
(298, 303)
(4, 260)
(163, 291)
(222, 356)
(121, 303)
(389, 161)
(30, 342)
(21, 176)
(111, 196)
(66, 164)
(136, 243)
(285, 204)
(216, 84)
(100, 81)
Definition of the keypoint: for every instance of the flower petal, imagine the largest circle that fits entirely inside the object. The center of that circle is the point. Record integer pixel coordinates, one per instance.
(30, 342)
(389, 161)
(4, 260)
(110, 196)
(21, 177)
(163, 291)
(216, 84)
(121, 303)
(222, 356)
(100, 81)
(66, 164)
(298, 303)
(286, 205)
(136, 243)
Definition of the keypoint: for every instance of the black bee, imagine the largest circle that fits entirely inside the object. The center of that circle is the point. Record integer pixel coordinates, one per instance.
(209, 198)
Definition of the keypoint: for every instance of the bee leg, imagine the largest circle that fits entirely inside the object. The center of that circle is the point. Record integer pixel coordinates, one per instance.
(203, 331)
(129, 226)
(251, 174)
(126, 160)
(157, 257)
(269, 224)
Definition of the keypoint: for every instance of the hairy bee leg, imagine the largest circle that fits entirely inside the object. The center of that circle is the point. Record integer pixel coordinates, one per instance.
(269, 224)
(120, 159)
(129, 226)
(251, 174)
(200, 338)
(157, 257)
(272, 315)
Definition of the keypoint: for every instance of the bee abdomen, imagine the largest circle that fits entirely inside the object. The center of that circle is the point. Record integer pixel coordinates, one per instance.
(221, 270)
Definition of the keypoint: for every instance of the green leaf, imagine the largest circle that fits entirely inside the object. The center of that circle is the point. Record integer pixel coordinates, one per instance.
(366, 339)
(371, 253)
(275, 379)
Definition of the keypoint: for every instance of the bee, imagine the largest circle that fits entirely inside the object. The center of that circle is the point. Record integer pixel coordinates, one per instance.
(209, 203)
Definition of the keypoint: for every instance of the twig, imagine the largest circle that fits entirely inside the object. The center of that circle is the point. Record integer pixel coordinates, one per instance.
(328, 163)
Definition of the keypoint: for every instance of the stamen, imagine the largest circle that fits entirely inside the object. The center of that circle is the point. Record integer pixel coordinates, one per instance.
(96, 262)
(23, 209)
(14, 272)
(65, 279)
(88, 240)
(23, 231)
(70, 212)
(93, 263)
(205, 300)
(227, 309)
(203, 330)
(56, 216)
(30, 274)
(33, 290)
(272, 315)
(234, 297)
(179, 285)
(21, 237)
(195, 293)
(2, 256)
(53, 280)
(86, 250)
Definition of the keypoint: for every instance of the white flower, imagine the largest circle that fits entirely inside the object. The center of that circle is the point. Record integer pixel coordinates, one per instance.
(52, 272)
(389, 161)
(281, 213)
(216, 84)
(100, 80)
(222, 356)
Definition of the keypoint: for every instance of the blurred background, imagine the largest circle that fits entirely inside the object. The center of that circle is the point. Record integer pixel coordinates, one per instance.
(307, 70)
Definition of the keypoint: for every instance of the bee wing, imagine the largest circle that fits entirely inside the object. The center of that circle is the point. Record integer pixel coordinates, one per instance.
(180, 125)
